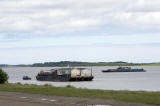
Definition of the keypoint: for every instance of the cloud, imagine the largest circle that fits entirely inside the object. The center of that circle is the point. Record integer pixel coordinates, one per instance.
(78, 41)
(51, 17)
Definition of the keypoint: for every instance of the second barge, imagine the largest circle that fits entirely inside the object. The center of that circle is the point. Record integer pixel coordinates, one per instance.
(124, 69)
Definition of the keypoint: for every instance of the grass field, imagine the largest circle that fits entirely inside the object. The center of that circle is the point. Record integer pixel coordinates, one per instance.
(126, 96)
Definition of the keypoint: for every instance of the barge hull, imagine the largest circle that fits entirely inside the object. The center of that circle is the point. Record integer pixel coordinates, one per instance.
(62, 78)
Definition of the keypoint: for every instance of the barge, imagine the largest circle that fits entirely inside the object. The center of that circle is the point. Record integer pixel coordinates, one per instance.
(124, 69)
(66, 74)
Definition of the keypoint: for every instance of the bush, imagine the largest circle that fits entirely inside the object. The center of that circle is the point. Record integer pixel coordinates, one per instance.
(47, 85)
(70, 86)
(3, 77)
(19, 83)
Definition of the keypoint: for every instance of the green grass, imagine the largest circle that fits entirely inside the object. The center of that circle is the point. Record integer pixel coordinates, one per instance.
(126, 96)
(153, 64)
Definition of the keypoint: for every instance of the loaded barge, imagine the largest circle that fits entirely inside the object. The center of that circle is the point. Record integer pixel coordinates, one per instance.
(124, 69)
(66, 74)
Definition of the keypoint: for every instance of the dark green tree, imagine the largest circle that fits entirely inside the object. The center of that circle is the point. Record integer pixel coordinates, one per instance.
(3, 76)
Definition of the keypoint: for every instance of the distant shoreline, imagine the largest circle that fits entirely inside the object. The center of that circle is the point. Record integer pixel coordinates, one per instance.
(76, 64)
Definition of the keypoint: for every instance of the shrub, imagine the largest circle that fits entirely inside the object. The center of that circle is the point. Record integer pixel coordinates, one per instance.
(70, 86)
(19, 83)
(3, 77)
(47, 85)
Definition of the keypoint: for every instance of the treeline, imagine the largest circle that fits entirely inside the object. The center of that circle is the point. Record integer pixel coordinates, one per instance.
(75, 63)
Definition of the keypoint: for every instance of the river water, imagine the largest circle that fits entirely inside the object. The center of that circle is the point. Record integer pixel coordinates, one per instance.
(146, 81)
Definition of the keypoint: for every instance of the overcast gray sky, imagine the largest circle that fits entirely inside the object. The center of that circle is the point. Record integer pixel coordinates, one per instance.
(79, 30)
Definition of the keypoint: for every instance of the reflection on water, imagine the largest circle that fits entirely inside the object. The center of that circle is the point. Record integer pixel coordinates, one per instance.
(110, 81)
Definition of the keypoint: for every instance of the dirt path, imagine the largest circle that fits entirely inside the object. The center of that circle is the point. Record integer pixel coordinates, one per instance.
(23, 99)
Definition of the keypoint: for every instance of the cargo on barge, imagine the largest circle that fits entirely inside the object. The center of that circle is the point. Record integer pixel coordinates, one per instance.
(66, 74)
(124, 69)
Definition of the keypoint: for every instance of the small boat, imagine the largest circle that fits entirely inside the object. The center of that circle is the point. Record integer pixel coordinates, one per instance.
(124, 69)
(26, 78)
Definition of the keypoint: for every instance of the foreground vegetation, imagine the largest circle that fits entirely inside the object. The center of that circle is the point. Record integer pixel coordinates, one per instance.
(126, 96)
(3, 76)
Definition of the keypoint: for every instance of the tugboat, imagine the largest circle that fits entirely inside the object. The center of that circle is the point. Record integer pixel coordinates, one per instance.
(66, 74)
(124, 69)
(26, 78)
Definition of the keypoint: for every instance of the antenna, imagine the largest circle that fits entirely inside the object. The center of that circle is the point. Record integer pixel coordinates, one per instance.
(91, 70)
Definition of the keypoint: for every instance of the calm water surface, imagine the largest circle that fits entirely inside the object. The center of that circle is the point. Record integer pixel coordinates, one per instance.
(148, 81)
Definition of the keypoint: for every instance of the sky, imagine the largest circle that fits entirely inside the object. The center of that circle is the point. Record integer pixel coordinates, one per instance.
(33, 31)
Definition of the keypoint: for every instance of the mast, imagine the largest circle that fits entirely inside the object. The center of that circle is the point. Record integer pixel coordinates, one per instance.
(91, 70)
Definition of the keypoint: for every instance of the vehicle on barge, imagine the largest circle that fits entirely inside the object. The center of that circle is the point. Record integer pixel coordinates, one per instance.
(66, 74)
(124, 69)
